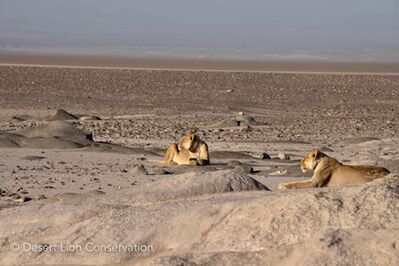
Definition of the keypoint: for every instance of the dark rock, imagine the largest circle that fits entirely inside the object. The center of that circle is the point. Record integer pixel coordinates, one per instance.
(265, 156)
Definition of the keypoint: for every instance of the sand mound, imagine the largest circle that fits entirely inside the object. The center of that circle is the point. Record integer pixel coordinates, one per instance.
(183, 169)
(8, 140)
(240, 120)
(61, 115)
(194, 184)
(138, 170)
(329, 226)
(226, 123)
(50, 143)
(53, 135)
(230, 155)
(57, 129)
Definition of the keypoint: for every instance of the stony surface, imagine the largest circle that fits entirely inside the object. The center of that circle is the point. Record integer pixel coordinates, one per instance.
(61, 184)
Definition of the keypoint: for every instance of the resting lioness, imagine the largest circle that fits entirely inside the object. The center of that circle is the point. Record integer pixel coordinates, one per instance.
(329, 172)
(190, 150)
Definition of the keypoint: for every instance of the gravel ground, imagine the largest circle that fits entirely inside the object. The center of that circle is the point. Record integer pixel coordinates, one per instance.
(161, 104)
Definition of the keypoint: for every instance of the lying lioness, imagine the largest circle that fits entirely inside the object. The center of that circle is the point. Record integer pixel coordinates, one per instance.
(190, 150)
(329, 172)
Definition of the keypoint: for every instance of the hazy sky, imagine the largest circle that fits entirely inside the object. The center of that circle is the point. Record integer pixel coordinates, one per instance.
(222, 23)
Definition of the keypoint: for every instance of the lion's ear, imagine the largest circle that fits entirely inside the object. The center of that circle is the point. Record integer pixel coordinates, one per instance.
(192, 131)
(315, 154)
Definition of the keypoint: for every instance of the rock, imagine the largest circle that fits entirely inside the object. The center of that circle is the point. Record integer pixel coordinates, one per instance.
(182, 169)
(138, 170)
(194, 184)
(265, 156)
(278, 173)
(247, 129)
(52, 135)
(244, 169)
(240, 120)
(41, 197)
(61, 114)
(212, 220)
(33, 158)
(159, 171)
(15, 196)
(245, 120)
(233, 163)
(89, 118)
(23, 199)
(17, 119)
(283, 156)
(18, 199)
(59, 129)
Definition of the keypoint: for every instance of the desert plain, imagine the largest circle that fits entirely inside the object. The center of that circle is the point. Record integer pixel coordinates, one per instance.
(78, 166)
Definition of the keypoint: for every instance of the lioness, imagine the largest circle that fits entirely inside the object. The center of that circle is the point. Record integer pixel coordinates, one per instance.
(330, 172)
(190, 150)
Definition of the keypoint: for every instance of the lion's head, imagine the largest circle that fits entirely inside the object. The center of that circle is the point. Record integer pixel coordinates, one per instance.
(189, 140)
(310, 160)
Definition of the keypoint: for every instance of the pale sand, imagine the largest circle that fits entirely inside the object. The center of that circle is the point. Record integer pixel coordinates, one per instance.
(84, 191)
(187, 64)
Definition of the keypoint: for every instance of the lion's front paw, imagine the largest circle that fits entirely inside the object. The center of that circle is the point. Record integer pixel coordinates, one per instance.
(193, 161)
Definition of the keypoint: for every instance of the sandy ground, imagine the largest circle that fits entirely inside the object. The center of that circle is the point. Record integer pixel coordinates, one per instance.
(68, 180)
(70, 60)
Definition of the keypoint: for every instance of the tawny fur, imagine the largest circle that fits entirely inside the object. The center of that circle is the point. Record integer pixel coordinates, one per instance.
(330, 172)
(190, 150)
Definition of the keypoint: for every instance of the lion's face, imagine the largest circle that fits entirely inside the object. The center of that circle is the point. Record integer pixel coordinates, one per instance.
(310, 160)
(188, 140)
